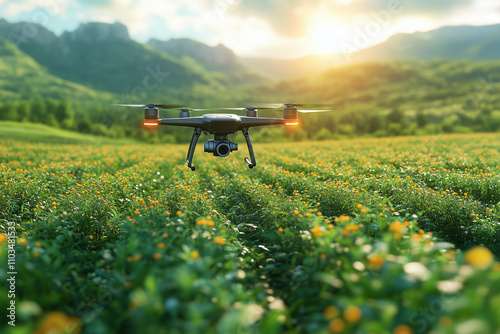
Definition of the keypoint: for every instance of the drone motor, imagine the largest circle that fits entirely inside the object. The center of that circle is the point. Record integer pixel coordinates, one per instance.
(151, 116)
(251, 112)
(290, 112)
(151, 113)
(185, 112)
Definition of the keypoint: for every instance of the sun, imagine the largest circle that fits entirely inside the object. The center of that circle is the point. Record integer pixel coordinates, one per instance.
(326, 35)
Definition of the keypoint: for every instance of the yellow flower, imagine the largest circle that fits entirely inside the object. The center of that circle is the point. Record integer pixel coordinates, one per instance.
(352, 314)
(480, 257)
(161, 245)
(57, 322)
(344, 218)
(359, 206)
(3, 237)
(157, 256)
(280, 229)
(22, 241)
(403, 329)
(336, 325)
(194, 255)
(38, 244)
(316, 231)
(331, 312)
(376, 261)
(201, 222)
(364, 210)
(219, 240)
(416, 237)
(396, 227)
(136, 257)
(178, 213)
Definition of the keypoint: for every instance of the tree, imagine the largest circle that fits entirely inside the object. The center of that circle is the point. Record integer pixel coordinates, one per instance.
(24, 112)
(8, 112)
(421, 119)
(396, 116)
(38, 110)
(65, 115)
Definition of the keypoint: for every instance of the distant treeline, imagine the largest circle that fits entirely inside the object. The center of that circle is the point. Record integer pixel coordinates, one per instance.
(103, 120)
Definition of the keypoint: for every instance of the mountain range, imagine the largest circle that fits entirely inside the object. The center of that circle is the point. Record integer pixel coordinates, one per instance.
(449, 42)
(104, 57)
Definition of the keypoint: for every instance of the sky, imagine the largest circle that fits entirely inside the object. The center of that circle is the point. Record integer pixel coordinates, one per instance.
(260, 28)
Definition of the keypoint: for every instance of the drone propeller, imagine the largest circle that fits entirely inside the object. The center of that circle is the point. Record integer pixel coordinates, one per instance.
(308, 111)
(260, 106)
(153, 105)
(190, 109)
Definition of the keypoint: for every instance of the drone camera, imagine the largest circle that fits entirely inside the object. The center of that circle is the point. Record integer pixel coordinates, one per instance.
(220, 148)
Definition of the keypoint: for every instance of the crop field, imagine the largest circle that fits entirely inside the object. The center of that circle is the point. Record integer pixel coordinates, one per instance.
(390, 235)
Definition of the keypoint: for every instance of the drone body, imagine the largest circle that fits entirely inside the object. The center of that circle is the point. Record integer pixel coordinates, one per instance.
(220, 125)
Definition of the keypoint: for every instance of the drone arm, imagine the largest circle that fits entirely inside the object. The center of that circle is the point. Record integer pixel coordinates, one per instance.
(194, 122)
(253, 163)
(192, 146)
(247, 122)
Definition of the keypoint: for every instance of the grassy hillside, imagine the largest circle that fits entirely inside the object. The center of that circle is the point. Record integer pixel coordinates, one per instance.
(23, 78)
(43, 133)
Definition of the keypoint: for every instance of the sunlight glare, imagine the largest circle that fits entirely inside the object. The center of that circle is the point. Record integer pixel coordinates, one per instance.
(325, 36)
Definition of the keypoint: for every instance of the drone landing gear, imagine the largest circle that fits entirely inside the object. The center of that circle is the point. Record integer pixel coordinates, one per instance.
(192, 146)
(252, 163)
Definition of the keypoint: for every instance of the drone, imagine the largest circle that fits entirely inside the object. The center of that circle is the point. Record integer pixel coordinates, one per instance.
(220, 125)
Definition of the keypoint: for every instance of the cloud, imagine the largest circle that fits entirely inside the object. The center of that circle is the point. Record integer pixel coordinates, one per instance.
(291, 18)
(276, 28)
(16, 8)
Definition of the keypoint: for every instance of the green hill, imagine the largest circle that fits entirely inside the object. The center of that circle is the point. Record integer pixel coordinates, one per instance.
(22, 78)
(449, 42)
(103, 56)
(44, 133)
